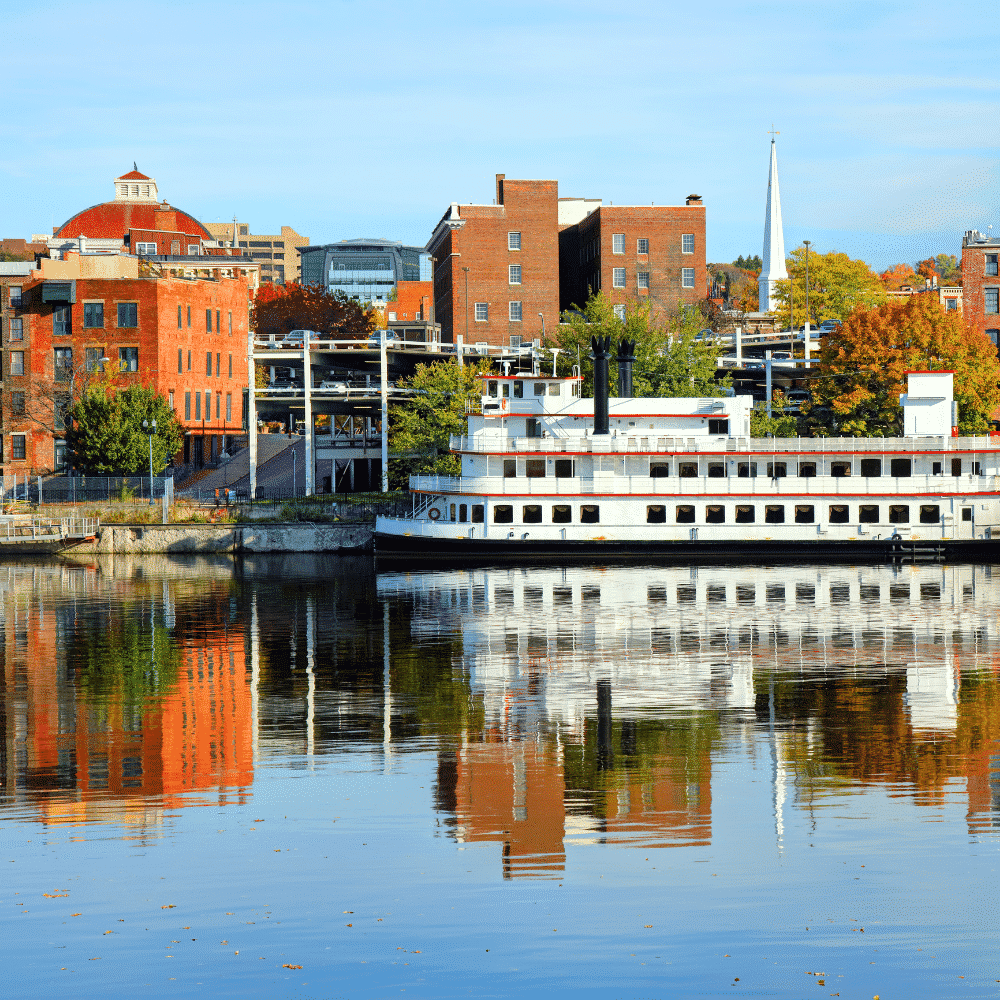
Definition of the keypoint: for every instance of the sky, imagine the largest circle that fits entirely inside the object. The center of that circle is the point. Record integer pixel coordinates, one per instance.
(347, 119)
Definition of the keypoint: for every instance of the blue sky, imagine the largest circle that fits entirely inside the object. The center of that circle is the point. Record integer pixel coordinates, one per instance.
(347, 119)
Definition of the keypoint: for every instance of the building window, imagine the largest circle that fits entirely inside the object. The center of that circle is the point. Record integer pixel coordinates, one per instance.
(951, 305)
(208, 323)
(208, 362)
(618, 243)
(17, 449)
(218, 405)
(189, 360)
(14, 291)
(642, 247)
(482, 312)
(128, 359)
(208, 404)
(687, 277)
(17, 362)
(128, 315)
(994, 335)
(514, 312)
(218, 321)
(16, 331)
(618, 277)
(620, 312)
(62, 325)
(17, 404)
(514, 274)
(643, 279)
(145, 249)
(180, 360)
(230, 322)
(513, 241)
(230, 366)
(229, 407)
(93, 314)
(992, 300)
(687, 243)
(197, 406)
(93, 359)
(193, 249)
(187, 406)
(990, 265)
(180, 317)
(63, 363)
(218, 364)
(171, 398)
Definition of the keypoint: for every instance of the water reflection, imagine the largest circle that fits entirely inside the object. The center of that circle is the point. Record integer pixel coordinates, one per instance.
(564, 707)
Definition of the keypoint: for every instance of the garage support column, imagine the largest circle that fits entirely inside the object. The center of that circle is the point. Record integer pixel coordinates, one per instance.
(307, 385)
(252, 413)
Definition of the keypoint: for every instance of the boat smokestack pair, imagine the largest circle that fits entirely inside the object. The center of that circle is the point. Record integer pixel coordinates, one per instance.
(601, 347)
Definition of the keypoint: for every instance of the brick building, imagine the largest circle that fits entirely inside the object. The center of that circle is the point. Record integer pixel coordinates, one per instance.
(497, 266)
(277, 255)
(981, 283)
(532, 254)
(187, 337)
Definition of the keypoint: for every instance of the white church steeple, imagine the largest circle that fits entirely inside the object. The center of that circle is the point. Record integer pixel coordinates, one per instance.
(773, 258)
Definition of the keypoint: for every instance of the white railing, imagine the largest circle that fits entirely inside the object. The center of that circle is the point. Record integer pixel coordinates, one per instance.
(655, 442)
(610, 483)
(43, 529)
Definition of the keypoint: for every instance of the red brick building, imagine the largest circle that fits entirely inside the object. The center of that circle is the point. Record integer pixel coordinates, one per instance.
(82, 316)
(981, 283)
(497, 266)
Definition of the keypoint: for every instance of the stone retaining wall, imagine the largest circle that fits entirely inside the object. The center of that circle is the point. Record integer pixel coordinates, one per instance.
(209, 539)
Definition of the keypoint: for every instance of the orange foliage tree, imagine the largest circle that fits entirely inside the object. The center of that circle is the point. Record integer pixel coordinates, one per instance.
(902, 274)
(863, 368)
(279, 309)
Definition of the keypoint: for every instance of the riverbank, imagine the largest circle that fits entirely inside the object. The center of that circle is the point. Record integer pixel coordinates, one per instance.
(222, 539)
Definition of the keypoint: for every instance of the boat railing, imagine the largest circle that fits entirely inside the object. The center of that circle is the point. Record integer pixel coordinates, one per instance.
(624, 443)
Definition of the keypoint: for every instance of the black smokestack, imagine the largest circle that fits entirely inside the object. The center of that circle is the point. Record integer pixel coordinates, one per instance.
(626, 358)
(602, 352)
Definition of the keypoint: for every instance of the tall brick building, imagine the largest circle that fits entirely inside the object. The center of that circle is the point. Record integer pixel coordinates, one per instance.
(981, 283)
(277, 254)
(532, 254)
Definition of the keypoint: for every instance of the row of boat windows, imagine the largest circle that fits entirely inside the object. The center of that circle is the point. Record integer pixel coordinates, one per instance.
(515, 389)
(900, 468)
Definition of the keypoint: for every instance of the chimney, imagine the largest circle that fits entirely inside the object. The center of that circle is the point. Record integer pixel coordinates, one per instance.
(693, 199)
(601, 347)
(626, 358)
(500, 178)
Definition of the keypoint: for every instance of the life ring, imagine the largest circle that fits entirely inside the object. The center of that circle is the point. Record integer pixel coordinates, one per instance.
(433, 513)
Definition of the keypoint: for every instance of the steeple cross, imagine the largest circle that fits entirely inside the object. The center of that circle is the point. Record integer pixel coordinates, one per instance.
(772, 132)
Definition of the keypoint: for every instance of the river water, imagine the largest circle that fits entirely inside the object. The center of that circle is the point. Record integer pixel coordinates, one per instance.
(292, 777)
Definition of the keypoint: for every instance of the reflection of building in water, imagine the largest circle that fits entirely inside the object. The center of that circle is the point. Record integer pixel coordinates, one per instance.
(120, 710)
(856, 672)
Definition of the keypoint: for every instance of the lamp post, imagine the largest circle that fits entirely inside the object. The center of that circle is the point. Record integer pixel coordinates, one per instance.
(541, 316)
(806, 244)
(466, 304)
(150, 430)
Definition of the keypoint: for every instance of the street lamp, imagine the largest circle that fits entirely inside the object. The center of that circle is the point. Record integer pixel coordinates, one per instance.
(806, 244)
(542, 317)
(466, 305)
(150, 430)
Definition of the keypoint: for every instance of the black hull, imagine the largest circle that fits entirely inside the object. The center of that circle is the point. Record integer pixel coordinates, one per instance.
(396, 549)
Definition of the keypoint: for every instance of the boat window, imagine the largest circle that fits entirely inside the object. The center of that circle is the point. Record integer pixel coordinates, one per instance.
(554, 388)
(564, 468)
(930, 513)
(966, 513)
(774, 514)
(463, 513)
(532, 428)
(936, 469)
(975, 469)
(590, 513)
(688, 470)
(491, 388)
(518, 389)
(807, 469)
(656, 514)
(804, 593)
(562, 513)
(539, 388)
(716, 470)
(899, 513)
(659, 470)
(871, 467)
(900, 467)
(715, 514)
(747, 470)
(715, 593)
(531, 513)
(840, 469)
(868, 514)
(534, 468)
(777, 470)
(685, 594)
(477, 513)
(510, 468)
(745, 514)
(805, 514)
(775, 593)
(503, 513)
(453, 512)
(685, 514)
(505, 390)
(956, 466)
(718, 426)
(839, 513)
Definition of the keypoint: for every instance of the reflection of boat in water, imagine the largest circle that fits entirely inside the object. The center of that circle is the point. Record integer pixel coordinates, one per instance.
(546, 474)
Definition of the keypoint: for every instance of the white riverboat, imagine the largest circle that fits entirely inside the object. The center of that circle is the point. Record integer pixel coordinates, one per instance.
(544, 476)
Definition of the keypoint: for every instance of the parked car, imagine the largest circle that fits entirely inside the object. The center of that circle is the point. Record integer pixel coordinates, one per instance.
(334, 385)
(297, 338)
(797, 396)
(391, 339)
(782, 359)
(829, 325)
(284, 385)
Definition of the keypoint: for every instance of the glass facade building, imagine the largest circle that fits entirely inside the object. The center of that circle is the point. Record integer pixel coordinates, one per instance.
(367, 270)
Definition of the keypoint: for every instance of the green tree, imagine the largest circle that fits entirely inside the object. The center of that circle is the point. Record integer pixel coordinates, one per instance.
(105, 435)
(863, 367)
(779, 424)
(749, 263)
(837, 285)
(672, 358)
(444, 393)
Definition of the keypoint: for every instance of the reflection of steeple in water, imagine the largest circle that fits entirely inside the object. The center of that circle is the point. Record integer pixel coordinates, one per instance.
(778, 774)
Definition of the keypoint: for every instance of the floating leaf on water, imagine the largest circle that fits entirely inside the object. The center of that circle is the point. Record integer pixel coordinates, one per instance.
(287, 966)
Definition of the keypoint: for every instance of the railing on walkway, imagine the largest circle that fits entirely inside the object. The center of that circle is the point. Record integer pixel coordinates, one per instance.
(84, 489)
(18, 529)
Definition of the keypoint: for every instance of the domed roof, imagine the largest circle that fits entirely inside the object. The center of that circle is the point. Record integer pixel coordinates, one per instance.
(113, 219)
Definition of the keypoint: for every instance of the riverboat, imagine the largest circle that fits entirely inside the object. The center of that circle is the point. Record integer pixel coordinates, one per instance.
(547, 474)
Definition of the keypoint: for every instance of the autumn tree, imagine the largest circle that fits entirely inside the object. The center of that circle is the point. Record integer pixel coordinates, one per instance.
(279, 309)
(670, 357)
(949, 269)
(837, 285)
(863, 366)
(901, 274)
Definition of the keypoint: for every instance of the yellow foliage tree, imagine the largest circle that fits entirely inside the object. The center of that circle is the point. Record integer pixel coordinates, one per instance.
(837, 285)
